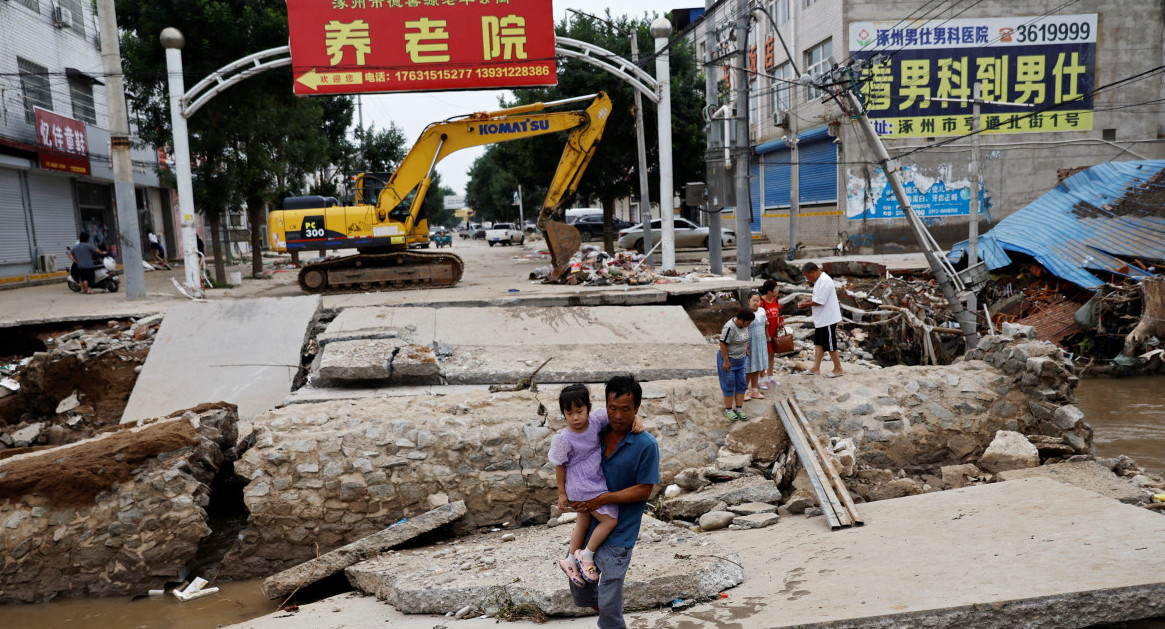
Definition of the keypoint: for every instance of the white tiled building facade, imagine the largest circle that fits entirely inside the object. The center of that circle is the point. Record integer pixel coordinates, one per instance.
(50, 58)
(1017, 166)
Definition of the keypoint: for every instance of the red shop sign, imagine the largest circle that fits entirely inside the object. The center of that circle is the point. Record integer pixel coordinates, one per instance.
(61, 143)
(362, 46)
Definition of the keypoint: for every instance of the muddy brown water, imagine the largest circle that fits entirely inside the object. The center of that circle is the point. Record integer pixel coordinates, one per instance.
(1127, 415)
(234, 603)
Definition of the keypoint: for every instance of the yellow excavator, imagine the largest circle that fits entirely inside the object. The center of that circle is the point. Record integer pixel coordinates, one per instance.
(386, 217)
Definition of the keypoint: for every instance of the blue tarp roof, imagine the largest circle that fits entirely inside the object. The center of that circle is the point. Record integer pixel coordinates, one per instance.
(1073, 228)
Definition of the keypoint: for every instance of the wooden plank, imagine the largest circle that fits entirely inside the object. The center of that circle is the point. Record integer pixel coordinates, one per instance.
(805, 453)
(834, 477)
(820, 466)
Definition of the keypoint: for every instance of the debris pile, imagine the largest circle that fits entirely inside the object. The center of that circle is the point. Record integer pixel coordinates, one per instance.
(591, 266)
(78, 385)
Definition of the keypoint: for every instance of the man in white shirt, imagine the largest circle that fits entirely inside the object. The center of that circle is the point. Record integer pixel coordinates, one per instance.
(826, 316)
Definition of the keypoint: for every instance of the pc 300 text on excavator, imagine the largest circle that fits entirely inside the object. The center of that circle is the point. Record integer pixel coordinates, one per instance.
(386, 219)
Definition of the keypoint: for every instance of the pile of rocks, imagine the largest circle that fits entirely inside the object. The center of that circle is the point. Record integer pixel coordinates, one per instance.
(75, 387)
(116, 514)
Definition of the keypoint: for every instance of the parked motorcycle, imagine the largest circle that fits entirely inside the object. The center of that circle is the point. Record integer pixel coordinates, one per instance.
(104, 276)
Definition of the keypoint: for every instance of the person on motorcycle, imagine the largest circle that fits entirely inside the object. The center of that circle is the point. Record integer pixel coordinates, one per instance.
(86, 257)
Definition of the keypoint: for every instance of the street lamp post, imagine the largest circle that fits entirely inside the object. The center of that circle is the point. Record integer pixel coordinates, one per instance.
(173, 41)
(661, 31)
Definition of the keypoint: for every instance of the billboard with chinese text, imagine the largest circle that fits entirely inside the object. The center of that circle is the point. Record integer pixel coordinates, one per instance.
(352, 46)
(1047, 61)
(61, 143)
(931, 196)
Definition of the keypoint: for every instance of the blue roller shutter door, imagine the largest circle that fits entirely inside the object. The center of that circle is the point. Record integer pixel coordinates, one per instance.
(818, 172)
(754, 173)
(777, 179)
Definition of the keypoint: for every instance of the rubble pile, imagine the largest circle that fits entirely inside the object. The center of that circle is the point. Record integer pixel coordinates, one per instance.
(78, 385)
(591, 266)
(120, 513)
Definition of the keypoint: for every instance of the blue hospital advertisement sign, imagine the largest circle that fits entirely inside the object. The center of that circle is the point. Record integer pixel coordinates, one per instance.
(931, 197)
(1045, 61)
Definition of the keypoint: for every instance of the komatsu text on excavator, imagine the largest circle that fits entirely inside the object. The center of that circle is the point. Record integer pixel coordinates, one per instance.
(386, 217)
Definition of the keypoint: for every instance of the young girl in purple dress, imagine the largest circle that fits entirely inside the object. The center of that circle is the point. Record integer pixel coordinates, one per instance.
(577, 453)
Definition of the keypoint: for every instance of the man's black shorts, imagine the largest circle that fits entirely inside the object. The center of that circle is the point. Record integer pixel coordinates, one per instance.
(826, 337)
(87, 275)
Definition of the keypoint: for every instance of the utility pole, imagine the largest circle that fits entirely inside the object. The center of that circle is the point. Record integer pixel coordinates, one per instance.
(129, 237)
(948, 280)
(794, 184)
(521, 211)
(712, 99)
(743, 196)
(973, 230)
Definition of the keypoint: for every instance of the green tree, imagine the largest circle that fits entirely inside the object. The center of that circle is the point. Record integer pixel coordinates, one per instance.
(256, 141)
(612, 173)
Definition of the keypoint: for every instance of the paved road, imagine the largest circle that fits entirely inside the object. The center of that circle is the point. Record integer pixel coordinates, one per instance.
(492, 275)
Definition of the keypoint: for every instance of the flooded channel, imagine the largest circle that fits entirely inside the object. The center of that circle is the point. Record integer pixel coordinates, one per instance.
(234, 603)
(1127, 417)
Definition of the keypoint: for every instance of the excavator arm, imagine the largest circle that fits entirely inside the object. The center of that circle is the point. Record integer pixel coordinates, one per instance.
(514, 123)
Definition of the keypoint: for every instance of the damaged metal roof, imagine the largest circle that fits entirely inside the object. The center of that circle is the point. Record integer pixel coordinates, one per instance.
(1084, 223)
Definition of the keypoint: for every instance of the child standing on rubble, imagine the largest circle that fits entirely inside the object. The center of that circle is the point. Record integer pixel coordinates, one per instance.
(772, 307)
(758, 347)
(577, 454)
(730, 363)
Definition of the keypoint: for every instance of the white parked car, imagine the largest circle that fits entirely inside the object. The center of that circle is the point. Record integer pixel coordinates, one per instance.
(504, 233)
(688, 235)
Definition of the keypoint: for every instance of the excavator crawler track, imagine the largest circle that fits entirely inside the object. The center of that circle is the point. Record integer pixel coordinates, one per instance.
(399, 270)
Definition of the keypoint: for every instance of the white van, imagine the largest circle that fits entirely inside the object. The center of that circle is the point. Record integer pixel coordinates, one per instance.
(574, 214)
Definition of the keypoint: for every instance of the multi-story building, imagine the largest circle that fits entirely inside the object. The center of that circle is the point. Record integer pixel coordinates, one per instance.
(56, 176)
(1056, 60)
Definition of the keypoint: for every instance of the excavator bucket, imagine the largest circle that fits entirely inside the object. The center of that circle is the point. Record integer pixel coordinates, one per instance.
(563, 241)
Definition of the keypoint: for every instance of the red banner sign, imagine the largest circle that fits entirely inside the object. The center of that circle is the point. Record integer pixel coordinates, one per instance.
(61, 143)
(353, 46)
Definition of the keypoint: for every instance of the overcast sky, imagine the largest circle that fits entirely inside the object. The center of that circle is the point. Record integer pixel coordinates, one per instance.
(412, 112)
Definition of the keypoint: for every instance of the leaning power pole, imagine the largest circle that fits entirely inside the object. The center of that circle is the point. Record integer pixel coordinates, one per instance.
(948, 280)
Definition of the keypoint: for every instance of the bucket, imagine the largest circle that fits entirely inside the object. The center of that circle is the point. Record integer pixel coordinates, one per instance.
(236, 277)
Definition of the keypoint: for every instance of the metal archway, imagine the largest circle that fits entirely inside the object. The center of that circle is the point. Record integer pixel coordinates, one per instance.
(219, 80)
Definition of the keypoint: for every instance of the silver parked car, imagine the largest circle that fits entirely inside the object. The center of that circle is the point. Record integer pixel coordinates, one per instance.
(688, 235)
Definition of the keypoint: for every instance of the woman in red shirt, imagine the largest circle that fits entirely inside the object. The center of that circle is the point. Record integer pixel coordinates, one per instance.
(768, 301)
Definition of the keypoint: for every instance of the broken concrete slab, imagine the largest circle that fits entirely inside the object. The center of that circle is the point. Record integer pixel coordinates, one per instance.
(755, 521)
(638, 325)
(288, 581)
(363, 360)
(478, 364)
(1088, 475)
(733, 492)
(1031, 553)
(246, 352)
(480, 572)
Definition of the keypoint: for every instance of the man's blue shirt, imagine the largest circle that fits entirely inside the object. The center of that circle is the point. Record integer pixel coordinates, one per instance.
(635, 461)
